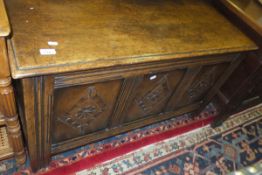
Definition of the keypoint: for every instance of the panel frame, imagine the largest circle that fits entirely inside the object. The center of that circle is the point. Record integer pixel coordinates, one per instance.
(131, 76)
(109, 118)
(38, 115)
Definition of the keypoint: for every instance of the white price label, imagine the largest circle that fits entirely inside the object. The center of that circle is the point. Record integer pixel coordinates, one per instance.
(47, 51)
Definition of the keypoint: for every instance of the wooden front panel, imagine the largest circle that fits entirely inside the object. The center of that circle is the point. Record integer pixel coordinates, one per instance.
(201, 84)
(152, 93)
(69, 110)
(83, 109)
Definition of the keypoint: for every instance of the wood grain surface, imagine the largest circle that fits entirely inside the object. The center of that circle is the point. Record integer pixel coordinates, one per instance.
(4, 23)
(102, 33)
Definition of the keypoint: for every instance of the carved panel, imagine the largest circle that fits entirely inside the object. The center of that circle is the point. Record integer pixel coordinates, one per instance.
(84, 109)
(152, 94)
(204, 81)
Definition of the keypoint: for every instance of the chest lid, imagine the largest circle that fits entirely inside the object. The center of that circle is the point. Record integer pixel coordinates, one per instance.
(55, 36)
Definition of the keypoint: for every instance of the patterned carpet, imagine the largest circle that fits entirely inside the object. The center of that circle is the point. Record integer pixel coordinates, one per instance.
(235, 145)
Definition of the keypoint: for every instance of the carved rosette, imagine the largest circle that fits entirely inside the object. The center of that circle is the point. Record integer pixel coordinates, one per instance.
(86, 110)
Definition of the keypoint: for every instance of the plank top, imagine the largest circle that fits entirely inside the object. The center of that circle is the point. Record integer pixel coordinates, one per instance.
(84, 34)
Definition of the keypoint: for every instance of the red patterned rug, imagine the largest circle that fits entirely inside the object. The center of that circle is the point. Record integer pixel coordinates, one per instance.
(233, 146)
(91, 155)
(183, 145)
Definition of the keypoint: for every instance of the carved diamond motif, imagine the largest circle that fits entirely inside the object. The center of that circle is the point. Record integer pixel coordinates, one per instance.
(207, 80)
(155, 96)
(81, 115)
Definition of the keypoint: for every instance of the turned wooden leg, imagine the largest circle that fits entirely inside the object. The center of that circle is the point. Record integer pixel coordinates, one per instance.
(10, 112)
(8, 106)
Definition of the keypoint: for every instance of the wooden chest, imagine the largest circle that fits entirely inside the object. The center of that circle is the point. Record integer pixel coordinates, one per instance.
(87, 70)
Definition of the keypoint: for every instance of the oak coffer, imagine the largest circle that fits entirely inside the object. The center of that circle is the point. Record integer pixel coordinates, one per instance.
(86, 70)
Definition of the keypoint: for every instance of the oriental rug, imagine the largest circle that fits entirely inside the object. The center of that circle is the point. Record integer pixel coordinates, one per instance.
(182, 145)
(233, 146)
